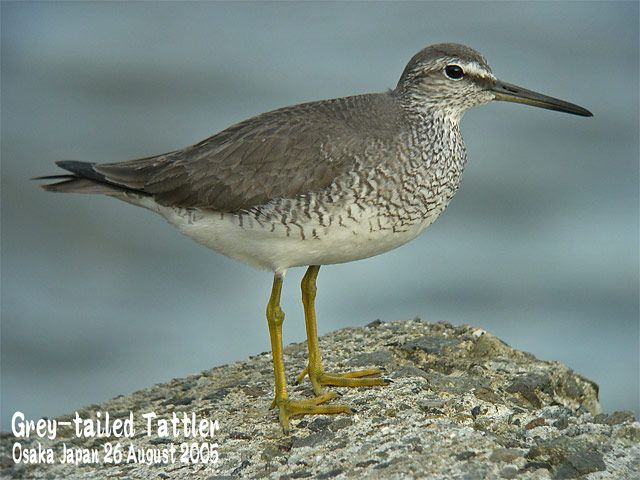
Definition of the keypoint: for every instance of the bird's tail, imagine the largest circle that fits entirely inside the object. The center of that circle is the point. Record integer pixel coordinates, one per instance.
(83, 179)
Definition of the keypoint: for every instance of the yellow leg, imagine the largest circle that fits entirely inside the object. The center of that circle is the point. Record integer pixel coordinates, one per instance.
(314, 368)
(275, 319)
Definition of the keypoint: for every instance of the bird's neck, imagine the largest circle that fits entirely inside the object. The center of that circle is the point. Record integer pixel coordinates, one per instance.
(440, 151)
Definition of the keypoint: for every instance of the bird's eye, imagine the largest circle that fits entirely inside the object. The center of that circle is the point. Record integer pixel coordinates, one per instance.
(454, 72)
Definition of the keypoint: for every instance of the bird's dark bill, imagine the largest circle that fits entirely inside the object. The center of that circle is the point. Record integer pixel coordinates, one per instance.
(512, 93)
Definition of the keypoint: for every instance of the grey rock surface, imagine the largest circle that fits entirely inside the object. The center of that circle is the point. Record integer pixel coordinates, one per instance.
(462, 405)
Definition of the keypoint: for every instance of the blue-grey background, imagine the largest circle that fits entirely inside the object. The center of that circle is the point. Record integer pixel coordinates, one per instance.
(540, 246)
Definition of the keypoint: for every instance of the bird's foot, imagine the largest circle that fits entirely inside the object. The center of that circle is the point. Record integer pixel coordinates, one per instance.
(360, 378)
(289, 407)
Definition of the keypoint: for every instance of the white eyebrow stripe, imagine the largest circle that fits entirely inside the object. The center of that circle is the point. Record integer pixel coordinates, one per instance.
(475, 70)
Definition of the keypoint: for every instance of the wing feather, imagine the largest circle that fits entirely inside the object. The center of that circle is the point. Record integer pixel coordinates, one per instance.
(279, 154)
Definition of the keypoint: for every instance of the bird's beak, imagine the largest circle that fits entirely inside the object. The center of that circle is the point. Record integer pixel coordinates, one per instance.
(511, 93)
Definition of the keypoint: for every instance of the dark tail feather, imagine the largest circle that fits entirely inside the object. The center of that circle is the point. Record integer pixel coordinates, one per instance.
(73, 184)
(83, 179)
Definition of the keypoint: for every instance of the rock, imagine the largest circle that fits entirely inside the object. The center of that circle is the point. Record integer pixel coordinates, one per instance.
(505, 454)
(621, 416)
(380, 358)
(463, 404)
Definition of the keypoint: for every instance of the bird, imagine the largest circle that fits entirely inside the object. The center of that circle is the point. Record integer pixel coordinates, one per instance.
(318, 183)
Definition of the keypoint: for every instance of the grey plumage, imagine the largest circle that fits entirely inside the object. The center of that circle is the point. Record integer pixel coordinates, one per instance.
(279, 154)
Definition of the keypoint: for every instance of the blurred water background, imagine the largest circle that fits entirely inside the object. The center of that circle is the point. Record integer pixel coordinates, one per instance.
(539, 247)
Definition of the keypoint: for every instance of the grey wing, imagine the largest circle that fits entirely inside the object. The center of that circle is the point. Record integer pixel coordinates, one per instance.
(279, 154)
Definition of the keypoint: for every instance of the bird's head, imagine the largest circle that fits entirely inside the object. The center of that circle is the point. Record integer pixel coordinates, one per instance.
(453, 78)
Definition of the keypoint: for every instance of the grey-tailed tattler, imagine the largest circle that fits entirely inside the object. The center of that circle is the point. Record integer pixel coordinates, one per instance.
(318, 183)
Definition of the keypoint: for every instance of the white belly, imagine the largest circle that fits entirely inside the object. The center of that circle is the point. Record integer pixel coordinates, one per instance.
(275, 246)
